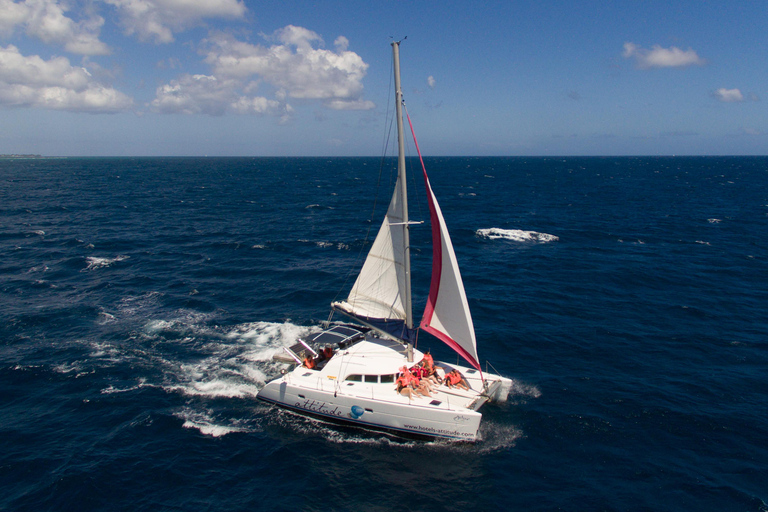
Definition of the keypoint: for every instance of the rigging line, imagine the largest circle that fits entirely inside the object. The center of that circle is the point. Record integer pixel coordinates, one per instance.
(413, 175)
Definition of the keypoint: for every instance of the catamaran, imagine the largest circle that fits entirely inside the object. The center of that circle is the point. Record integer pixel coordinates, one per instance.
(352, 368)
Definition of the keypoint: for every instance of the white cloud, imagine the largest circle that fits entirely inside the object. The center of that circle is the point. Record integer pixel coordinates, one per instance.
(158, 20)
(11, 15)
(54, 84)
(431, 81)
(658, 57)
(205, 94)
(45, 20)
(341, 43)
(729, 95)
(295, 68)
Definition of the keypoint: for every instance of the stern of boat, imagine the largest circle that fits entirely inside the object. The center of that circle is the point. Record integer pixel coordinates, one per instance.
(498, 388)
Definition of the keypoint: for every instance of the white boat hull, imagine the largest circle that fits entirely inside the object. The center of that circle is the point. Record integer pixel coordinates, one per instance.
(416, 417)
(449, 412)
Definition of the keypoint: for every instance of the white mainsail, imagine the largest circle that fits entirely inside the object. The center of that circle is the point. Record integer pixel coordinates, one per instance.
(377, 297)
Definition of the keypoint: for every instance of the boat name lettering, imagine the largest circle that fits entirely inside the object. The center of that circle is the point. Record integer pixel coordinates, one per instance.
(319, 407)
(460, 418)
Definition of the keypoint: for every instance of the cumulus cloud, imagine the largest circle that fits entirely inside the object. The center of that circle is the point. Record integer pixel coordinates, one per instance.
(46, 20)
(206, 94)
(431, 81)
(11, 15)
(293, 67)
(729, 95)
(658, 57)
(30, 81)
(158, 20)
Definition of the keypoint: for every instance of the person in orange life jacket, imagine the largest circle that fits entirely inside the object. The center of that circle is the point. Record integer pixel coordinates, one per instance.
(404, 384)
(425, 372)
(309, 362)
(421, 386)
(429, 363)
(421, 374)
(328, 352)
(454, 378)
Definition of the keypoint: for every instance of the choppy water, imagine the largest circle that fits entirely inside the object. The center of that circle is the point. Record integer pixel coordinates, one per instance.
(142, 300)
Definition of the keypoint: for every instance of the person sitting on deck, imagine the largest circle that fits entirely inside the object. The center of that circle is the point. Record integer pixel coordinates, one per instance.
(404, 389)
(328, 352)
(421, 373)
(404, 385)
(430, 374)
(421, 386)
(428, 360)
(454, 378)
(309, 362)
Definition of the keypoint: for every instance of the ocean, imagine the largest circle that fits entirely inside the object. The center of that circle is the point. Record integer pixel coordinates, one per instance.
(143, 299)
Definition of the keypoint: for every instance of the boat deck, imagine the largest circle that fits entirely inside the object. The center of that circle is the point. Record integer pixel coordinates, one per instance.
(442, 396)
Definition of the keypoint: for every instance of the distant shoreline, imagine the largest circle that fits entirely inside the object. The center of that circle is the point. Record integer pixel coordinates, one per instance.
(21, 156)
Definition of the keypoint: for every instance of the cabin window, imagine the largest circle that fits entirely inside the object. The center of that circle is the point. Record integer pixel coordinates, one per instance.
(354, 378)
(386, 379)
(371, 378)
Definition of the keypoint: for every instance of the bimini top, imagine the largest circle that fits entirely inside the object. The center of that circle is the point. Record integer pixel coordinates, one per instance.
(340, 336)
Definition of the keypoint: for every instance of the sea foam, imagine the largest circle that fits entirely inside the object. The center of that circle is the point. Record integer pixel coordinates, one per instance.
(516, 235)
(95, 263)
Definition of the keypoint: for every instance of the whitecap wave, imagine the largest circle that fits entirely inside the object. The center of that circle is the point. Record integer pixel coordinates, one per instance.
(96, 263)
(207, 424)
(109, 390)
(105, 318)
(516, 235)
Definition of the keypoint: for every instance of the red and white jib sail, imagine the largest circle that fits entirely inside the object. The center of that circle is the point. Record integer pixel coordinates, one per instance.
(447, 315)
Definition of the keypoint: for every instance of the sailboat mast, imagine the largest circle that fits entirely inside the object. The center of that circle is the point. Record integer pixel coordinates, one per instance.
(403, 190)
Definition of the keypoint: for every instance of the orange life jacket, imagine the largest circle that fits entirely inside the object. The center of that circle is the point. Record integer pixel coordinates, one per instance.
(454, 378)
(429, 360)
(328, 351)
(309, 362)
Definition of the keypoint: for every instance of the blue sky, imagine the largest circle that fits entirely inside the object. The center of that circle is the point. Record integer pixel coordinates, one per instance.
(242, 78)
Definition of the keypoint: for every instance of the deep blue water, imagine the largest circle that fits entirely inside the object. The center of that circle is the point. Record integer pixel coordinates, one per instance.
(142, 299)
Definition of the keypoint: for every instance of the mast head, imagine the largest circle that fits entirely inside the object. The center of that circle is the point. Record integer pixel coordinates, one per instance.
(398, 42)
